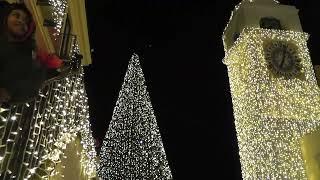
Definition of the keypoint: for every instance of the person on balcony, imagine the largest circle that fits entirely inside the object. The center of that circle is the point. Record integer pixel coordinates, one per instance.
(23, 67)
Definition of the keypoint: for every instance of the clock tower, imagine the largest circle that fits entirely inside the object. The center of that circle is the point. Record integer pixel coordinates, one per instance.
(274, 90)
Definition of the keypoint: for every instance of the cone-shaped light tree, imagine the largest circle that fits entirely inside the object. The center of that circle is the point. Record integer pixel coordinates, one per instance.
(132, 147)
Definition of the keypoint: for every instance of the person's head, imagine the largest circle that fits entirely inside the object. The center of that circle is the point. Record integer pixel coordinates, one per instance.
(17, 22)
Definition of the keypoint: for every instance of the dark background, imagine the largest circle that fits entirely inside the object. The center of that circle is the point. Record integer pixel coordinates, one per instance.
(180, 47)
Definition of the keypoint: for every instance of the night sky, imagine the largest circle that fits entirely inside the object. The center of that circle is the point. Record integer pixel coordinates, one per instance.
(180, 47)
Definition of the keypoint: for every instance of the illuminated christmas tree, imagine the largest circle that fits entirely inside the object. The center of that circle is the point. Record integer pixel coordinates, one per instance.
(132, 148)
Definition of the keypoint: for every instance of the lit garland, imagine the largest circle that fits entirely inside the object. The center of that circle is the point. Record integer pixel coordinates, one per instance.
(60, 113)
(271, 113)
(132, 148)
(58, 13)
(88, 154)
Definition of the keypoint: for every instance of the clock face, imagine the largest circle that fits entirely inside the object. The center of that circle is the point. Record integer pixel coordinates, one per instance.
(282, 59)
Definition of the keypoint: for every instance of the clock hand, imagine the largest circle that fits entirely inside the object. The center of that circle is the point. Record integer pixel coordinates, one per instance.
(283, 55)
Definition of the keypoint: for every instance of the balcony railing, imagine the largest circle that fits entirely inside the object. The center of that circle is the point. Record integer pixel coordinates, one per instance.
(34, 134)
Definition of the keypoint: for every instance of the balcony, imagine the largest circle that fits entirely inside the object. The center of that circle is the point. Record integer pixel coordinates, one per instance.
(34, 135)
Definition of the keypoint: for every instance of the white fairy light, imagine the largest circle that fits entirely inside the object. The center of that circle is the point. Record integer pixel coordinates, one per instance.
(61, 131)
(58, 13)
(271, 113)
(122, 155)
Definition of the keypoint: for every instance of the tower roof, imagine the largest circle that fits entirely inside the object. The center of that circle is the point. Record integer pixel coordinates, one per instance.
(262, 1)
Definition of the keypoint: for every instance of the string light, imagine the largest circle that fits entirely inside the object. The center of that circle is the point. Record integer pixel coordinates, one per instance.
(132, 148)
(58, 13)
(271, 113)
(55, 120)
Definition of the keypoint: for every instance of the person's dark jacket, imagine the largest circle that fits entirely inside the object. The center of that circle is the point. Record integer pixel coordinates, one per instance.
(20, 75)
